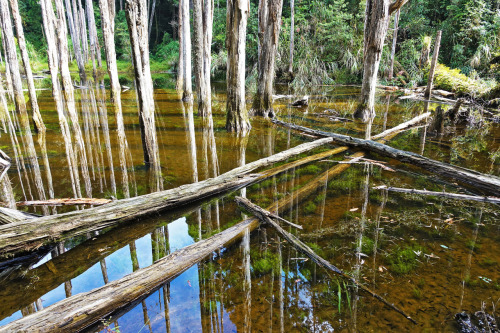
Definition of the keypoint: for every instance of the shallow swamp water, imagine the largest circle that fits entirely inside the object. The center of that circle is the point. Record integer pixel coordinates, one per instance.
(431, 257)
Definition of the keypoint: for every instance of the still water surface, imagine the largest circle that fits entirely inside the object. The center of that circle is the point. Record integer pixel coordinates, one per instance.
(430, 257)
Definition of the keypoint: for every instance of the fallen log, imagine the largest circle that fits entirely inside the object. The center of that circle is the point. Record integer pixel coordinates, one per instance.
(456, 196)
(65, 202)
(264, 216)
(8, 215)
(15, 240)
(487, 183)
(20, 238)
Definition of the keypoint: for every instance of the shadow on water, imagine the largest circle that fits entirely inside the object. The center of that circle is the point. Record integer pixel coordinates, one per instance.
(432, 257)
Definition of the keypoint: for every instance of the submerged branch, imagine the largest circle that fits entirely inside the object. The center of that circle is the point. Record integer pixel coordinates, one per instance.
(264, 216)
(456, 196)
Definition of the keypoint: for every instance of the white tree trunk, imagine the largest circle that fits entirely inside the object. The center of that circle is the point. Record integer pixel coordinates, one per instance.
(236, 28)
(269, 30)
(432, 70)
(136, 11)
(394, 42)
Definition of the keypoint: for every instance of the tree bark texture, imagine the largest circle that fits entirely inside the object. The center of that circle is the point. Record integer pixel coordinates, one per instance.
(203, 15)
(236, 26)
(488, 184)
(432, 70)
(95, 50)
(377, 17)
(136, 11)
(269, 30)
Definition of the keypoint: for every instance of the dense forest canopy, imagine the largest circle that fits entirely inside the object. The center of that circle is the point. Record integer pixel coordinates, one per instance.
(329, 37)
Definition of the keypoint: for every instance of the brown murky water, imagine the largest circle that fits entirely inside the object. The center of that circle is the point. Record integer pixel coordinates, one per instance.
(430, 257)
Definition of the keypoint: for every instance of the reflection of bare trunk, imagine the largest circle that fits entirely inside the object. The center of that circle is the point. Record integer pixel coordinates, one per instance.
(435, 55)
(20, 104)
(377, 234)
(138, 30)
(203, 14)
(184, 72)
(236, 27)
(466, 274)
(247, 283)
(269, 30)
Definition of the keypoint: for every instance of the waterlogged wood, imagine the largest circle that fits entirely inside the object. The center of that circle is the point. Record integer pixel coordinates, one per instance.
(82, 310)
(487, 183)
(264, 216)
(456, 196)
(8, 215)
(65, 202)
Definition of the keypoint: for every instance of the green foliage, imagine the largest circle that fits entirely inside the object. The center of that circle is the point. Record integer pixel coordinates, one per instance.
(454, 80)
(167, 51)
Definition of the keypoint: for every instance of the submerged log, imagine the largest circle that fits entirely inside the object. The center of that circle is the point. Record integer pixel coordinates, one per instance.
(486, 183)
(456, 196)
(264, 216)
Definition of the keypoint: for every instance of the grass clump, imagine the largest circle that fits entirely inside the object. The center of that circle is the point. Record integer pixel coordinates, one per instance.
(454, 80)
(310, 208)
(402, 260)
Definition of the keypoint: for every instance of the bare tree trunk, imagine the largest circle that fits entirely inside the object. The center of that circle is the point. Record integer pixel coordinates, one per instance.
(136, 11)
(83, 32)
(376, 24)
(8, 76)
(75, 36)
(151, 16)
(37, 117)
(203, 13)
(394, 42)
(95, 52)
(292, 34)
(236, 27)
(269, 30)
(423, 61)
(184, 83)
(432, 70)
(20, 104)
(69, 95)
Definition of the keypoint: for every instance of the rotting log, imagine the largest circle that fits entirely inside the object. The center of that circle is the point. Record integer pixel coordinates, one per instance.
(65, 202)
(15, 240)
(264, 216)
(487, 183)
(456, 196)
(8, 215)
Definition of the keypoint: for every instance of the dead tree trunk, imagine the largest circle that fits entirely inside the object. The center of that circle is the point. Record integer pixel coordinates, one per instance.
(236, 26)
(376, 24)
(37, 117)
(292, 35)
(151, 16)
(423, 61)
(483, 182)
(20, 104)
(75, 37)
(435, 55)
(269, 30)
(95, 52)
(456, 196)
(394, 42)
(203, 15)
(184, 83)
(137, 25)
